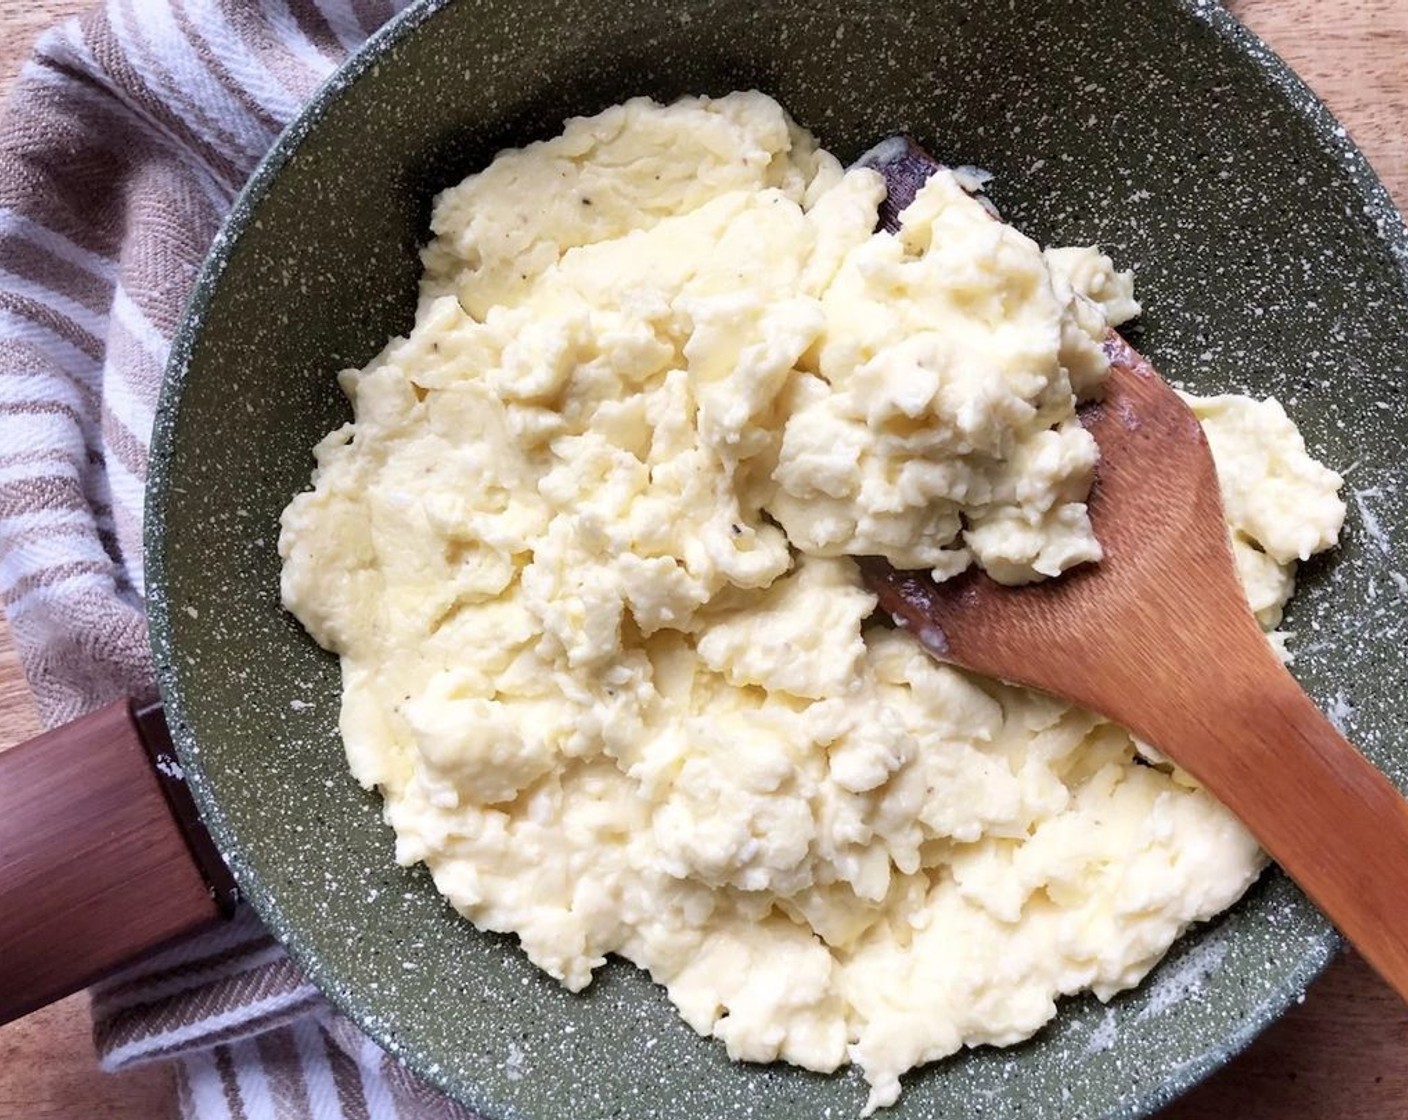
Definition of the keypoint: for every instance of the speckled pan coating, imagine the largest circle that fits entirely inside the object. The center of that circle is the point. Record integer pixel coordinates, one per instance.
(1270, 260)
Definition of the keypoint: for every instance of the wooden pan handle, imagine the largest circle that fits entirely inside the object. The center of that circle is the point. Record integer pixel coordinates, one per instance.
(102, 857)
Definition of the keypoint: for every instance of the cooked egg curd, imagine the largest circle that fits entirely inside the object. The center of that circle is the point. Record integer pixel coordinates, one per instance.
(585, 553)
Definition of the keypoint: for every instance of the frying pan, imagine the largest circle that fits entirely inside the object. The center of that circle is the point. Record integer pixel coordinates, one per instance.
(1270, 261)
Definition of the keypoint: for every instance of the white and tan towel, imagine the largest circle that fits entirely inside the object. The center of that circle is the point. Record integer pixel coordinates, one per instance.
(124, 142)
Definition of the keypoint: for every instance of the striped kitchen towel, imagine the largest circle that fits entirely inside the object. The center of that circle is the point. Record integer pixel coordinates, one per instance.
(125, 140)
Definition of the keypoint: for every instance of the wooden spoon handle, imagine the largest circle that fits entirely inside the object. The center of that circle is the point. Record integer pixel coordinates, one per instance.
(101, 855)
(1333, 822)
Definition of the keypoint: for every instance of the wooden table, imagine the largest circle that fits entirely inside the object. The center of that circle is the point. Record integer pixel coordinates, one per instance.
(1342, 1055)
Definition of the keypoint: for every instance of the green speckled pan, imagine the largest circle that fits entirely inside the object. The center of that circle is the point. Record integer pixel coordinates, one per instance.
(1270, 261)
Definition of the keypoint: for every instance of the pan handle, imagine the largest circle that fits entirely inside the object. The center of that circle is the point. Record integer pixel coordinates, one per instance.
(102, 856)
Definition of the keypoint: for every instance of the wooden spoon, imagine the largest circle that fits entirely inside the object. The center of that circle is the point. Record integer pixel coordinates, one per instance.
(1159, 638)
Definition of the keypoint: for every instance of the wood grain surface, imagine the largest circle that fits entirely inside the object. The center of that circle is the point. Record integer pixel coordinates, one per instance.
(116, 878)
(1341, 1055)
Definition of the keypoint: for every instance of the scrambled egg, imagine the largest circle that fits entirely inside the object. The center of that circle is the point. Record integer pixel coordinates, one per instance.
(585, 554)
